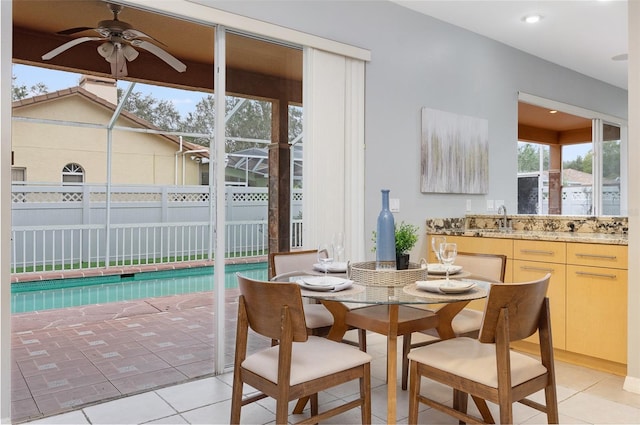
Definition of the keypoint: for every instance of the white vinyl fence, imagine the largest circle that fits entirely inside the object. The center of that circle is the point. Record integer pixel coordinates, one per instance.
(52, 241)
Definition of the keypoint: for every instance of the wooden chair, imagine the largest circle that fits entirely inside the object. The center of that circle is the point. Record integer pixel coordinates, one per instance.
(490, 267)
(300, 365)
(319, 320)
(486, 368)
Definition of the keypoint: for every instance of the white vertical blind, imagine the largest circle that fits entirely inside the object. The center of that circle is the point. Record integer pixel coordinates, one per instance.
(333, 175)
(6, 26)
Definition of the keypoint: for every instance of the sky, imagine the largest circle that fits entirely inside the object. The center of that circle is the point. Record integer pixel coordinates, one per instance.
(185, 101)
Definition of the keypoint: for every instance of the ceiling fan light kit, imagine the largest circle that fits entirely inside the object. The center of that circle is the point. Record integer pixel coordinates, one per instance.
(118, 38)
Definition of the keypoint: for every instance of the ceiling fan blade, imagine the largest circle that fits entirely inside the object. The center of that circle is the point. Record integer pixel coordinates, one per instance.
(55, 52)
(152, 48)
(71, 31)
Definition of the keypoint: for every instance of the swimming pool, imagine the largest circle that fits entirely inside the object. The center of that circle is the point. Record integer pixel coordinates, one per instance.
(61, 293)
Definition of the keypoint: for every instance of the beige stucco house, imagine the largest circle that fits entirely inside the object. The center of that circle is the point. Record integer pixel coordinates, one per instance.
(61, 137)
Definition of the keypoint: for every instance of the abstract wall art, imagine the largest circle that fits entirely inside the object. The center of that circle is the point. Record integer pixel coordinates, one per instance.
(454, 153)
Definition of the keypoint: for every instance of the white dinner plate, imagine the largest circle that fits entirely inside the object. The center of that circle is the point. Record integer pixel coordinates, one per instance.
(437, 268)
(331, 267)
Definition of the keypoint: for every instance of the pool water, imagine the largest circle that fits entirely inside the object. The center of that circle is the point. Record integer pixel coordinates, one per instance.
(61, 293)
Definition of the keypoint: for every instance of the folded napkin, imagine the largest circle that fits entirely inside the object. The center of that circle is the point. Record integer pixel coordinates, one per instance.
(429, 285)
(336, 267)
(442, 286)
(325, 283)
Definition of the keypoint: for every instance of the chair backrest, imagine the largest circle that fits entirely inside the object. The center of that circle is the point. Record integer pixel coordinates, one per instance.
(489, 266)
(285, 262)
(524, 303)
(264, 304)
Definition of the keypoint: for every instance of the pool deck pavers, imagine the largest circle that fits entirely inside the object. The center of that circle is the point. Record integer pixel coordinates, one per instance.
(77, 356)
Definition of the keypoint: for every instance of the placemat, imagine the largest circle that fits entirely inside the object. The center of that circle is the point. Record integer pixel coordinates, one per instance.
(472, 294)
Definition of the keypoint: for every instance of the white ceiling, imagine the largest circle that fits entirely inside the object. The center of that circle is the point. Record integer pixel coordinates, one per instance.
(582, 35)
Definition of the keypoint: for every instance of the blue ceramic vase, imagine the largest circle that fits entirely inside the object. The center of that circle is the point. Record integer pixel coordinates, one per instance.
(385, 236)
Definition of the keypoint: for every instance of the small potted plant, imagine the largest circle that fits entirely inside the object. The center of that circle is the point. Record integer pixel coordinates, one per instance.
(406, 239)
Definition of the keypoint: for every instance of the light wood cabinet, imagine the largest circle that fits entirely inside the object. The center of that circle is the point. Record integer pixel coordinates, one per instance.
(597, 301)
(487, 246)
(587, 292)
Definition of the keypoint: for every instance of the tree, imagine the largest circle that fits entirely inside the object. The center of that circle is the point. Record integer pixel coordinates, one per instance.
(161, 113)
(529, 157)
(611, 159)
(19, 92)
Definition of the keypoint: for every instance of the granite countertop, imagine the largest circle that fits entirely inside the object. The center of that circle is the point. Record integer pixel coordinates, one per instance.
(603, 238)
(602, 230)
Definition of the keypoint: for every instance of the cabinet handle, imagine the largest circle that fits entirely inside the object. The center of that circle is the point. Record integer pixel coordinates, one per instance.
(608, 276)
(536, 251)
(538, 269)
(606, 257)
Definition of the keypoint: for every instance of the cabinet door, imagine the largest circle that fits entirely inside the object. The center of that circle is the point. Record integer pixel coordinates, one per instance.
(597, 312)
(526, 271)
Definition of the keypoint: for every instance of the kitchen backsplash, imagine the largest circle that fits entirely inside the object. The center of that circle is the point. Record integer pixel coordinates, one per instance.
(547, 223)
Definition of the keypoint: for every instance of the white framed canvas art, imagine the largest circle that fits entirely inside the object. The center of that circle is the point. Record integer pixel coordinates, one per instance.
(454, 153)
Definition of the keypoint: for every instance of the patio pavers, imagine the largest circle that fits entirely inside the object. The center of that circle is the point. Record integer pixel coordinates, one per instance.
(71, 357)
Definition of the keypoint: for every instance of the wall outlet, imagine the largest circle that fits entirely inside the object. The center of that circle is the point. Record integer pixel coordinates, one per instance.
(468, 205)
(394, 204)
(490, 205)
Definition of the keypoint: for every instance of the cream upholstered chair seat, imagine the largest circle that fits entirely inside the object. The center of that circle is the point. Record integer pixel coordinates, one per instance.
(470, 359)
(317, 316)
(316, 358)
(466, 321)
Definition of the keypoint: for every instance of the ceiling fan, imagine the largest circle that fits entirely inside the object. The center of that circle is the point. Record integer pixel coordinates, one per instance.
(119, 38)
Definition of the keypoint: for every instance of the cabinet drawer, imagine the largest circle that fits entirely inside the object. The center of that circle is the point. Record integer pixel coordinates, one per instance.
(548, 252)
(483, 245)
(597, 255)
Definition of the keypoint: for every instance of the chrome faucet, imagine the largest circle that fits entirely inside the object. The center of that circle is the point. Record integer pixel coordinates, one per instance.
(505, 223)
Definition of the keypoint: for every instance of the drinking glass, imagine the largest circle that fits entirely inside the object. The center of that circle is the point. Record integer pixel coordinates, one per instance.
(338, 246)
(448, 253)
(325, 256)
(436, 241)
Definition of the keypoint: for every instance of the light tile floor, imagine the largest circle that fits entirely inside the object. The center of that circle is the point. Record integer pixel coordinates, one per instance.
(585, 396)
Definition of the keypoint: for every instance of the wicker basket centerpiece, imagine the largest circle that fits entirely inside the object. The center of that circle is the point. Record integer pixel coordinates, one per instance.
(366, 274)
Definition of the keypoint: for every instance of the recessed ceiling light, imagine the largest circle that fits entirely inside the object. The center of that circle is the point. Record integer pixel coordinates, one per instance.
(553, 111)
(532, 19)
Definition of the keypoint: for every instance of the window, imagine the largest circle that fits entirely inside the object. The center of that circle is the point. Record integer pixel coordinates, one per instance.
(18, 174)
(578, 152)
(72, 173)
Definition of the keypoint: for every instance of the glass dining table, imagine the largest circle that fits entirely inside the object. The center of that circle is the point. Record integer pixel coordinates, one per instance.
(342, 303)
